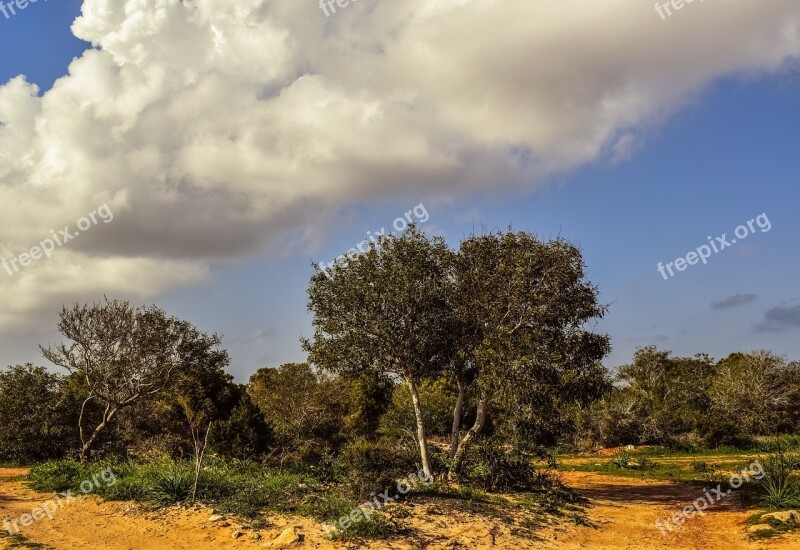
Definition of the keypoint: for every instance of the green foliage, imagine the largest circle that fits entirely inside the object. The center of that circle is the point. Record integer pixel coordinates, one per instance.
(521, 307)
(369, 397)
(756, 389)
(126, 355)
(172, 483)
(329, 508)
(36, 415)
(386, 312)
(437, 397)
(244, 434)
(304, 408)
(498, 469)
(626, 460)
(686, 402)
(58, 476)
(779, 487)
(373, 466)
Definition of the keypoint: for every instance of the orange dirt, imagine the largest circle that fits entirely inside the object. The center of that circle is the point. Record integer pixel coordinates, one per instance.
(623, 511)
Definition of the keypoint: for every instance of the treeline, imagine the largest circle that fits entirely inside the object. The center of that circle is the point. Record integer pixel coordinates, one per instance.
(464, 362)
(689, 402)
(421, 355)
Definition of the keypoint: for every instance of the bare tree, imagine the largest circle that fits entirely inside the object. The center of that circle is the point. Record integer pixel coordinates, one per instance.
(124, 354)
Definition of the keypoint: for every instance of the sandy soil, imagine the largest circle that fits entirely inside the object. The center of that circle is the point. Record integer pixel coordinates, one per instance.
(623, 511)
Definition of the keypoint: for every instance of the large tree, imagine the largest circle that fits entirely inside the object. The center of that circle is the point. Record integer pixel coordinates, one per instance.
(124, 354)
(386, 312)
(521, 308)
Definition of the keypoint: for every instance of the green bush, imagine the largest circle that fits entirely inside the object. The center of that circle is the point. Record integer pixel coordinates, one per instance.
(497, 469)
(626, 460)
(373, 466)
(778, 487)
(621, 460)
(58, 476)
(172, 484)
(127, 488)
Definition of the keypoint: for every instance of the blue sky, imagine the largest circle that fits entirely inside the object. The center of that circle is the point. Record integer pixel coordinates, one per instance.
(722, 161)
(724, 152)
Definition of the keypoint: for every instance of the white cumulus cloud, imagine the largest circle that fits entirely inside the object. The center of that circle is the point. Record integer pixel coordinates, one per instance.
(214, 129)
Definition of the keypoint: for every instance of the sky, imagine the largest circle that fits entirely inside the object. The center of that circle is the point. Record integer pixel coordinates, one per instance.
(222, 152)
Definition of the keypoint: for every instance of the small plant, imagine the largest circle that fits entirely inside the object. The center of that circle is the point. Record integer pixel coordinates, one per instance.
(627, 461)
(778, 488)
(622, 460)
(172, 485)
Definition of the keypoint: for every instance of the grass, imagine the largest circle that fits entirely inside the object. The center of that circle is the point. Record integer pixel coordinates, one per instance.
(779, 488)
(244, 490)
(659, 463)
(249, 490)
(524, 511)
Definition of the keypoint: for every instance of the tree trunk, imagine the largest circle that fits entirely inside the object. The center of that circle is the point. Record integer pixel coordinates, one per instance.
(199, 452)
(456, 433)
(480, 420)
(80, 420)
(422, 436)
(108, 414)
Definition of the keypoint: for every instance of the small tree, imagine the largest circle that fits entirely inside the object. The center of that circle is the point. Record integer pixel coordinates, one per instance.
(521, 306)
(386, 312)
(124, 354)
(304, 407)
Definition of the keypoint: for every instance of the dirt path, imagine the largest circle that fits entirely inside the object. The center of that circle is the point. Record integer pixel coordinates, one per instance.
(623, 510)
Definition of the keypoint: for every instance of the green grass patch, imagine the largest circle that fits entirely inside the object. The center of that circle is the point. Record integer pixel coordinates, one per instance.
(249, 491)
(241, 489)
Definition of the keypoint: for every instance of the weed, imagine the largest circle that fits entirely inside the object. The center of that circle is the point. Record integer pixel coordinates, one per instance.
(778, 488)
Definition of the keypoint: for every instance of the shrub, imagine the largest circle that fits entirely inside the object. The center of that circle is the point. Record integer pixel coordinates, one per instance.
(498, 469)
(58, 476)
(778, 488)
(370, 466)
(627, 461)
(172, 484)
(128, 488)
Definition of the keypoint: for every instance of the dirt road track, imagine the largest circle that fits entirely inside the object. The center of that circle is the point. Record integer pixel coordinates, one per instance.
(625, 509)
